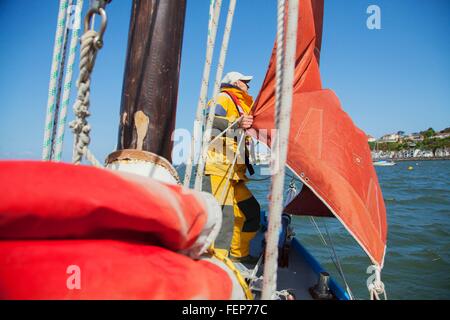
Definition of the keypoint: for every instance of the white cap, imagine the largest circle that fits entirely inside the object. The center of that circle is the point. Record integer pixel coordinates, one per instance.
(233, 76)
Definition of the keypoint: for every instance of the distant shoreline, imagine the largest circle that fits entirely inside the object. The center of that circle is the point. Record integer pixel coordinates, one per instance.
(415, 159)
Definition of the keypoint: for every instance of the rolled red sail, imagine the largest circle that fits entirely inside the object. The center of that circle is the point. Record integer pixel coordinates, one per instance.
(326, 150)
(131, 237)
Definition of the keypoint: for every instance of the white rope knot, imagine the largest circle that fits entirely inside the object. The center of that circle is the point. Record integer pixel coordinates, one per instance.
(80, 126)
(283, 295)
(374, 284)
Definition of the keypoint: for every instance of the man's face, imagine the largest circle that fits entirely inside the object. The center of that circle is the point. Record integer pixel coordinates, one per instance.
(242, 85)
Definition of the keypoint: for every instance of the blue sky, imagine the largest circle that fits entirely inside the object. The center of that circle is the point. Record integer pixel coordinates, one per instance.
(396, 78)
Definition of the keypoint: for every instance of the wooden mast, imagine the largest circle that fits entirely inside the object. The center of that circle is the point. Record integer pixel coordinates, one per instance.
(150, 89)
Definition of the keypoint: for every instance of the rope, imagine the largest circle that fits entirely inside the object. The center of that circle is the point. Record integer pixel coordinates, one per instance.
(209, 122)
(335, 258)
(227, 182)
(285, 294)
(214, 14)
(68, 82)
(52, 88)
(90, 44)
(283, 105)
(223, 132)
(60, 83)
(374, 284)
(92, 159)
(280, 60)
(313, 221)
(337, 263)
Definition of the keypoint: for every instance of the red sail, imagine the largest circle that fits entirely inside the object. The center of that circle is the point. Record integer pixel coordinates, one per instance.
(127, 235)
(326, 150)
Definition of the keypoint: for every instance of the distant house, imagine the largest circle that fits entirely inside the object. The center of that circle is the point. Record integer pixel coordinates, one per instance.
(414, 137)
(441, 135)
(391, 137)
(370, 138)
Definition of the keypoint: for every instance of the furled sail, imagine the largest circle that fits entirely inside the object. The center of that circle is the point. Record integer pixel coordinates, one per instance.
(124, 235)
(326, 150)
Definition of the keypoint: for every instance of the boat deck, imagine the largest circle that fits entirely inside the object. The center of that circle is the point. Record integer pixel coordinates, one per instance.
(301, 273)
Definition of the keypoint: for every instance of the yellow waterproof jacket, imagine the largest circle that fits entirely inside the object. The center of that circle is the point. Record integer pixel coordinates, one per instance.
(221, 154)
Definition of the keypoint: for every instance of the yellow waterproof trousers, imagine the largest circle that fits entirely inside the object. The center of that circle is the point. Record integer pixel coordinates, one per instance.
(241, 214)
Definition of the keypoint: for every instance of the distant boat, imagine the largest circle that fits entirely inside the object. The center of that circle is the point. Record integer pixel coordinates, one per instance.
(383, 163)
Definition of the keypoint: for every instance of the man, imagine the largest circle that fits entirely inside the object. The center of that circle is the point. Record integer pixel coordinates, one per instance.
(241, 211)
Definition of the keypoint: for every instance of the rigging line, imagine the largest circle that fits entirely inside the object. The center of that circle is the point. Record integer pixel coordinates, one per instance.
(330, 253)
(313, 221)
(56, 60)
(340, 269)
(222, 196)
(57, 155)
(60, 82)
(283, 106)
(209, 122)
(224, 131)
(214, 15)
(336, 265)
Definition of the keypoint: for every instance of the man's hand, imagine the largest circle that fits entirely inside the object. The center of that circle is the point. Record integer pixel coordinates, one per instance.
(246, 122)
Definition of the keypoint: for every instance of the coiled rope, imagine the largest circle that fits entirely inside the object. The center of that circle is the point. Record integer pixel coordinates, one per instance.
(91, 42)
(283, 104)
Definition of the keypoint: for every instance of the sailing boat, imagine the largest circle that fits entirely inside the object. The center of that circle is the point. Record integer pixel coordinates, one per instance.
(133, 232)
(382, 163)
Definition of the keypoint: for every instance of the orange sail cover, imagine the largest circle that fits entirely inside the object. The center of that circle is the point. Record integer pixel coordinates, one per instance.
(126, 234)
(327, 151)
